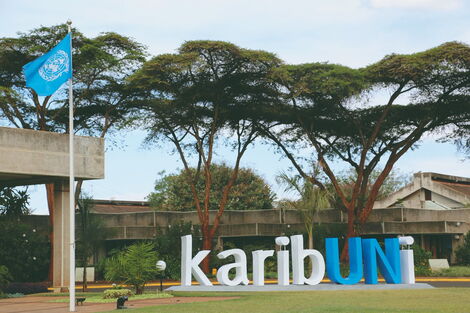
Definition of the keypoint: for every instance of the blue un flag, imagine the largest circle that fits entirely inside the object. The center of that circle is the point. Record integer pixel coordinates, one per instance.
(48, 72)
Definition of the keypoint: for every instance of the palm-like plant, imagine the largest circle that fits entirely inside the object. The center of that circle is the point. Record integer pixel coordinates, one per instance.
(311, 200)
(91, 233)
(133, 266)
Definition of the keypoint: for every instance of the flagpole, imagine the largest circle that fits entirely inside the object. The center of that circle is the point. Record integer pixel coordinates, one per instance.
(72, 185)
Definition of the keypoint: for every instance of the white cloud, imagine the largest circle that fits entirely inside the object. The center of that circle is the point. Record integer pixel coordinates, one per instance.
(446, 165)
(418, 4)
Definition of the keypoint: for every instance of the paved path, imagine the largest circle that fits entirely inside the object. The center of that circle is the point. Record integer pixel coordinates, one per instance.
(433, 281)
(35, 304)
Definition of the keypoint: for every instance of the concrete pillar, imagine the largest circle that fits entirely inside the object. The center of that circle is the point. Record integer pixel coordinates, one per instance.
(61, 273)
(220, 244)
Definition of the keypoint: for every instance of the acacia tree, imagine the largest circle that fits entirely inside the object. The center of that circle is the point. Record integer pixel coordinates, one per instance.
(100, 68)
(337, 112)
(196, 99)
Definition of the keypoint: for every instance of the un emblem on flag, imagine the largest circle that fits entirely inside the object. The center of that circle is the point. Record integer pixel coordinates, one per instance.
(55, 65)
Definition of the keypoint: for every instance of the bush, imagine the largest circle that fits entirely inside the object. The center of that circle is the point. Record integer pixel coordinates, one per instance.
(168, 246)
(24, 251)
(463, 252)
(26, 288)
(116, 293)
(421, 258)
(5, 278)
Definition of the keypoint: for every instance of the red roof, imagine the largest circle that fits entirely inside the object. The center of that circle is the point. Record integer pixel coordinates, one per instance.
(459, 187)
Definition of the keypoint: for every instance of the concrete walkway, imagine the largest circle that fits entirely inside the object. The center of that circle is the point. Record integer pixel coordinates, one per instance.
(35, 304)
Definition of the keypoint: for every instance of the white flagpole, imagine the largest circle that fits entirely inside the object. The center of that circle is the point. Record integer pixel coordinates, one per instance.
(72, 189)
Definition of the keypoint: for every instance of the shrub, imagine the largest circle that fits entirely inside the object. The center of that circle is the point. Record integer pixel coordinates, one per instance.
(463, 252)
(116, 293)
(26, 288)
(421, 258)
(133, 266)
(5, 278)
(24, 251)
(168, 246)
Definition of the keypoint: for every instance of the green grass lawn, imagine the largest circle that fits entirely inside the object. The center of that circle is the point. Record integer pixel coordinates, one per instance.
(453, 271)
(424, 300)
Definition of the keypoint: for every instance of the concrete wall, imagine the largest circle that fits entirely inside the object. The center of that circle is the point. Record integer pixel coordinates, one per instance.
(421, 223)
(33, 157)
(274, 222)
(130, 225)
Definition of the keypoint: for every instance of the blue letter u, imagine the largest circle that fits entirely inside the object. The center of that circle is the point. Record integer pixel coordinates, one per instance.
(355, 261)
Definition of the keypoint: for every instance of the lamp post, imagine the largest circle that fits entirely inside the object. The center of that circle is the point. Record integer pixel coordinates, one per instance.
(161, 266)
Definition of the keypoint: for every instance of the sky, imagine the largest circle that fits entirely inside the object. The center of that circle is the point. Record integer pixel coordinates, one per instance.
(349, 32)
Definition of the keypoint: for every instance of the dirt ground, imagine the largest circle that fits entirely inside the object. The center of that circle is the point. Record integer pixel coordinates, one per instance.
(34, 304)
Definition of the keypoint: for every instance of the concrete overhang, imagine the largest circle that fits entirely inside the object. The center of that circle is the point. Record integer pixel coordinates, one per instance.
(29, 157)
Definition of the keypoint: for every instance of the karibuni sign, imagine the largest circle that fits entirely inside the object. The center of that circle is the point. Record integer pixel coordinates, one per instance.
(365, 255)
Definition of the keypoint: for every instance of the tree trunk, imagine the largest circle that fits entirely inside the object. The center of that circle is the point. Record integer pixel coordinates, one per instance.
(78, 189)
(50, 205)
(206, 245)
(310, 239)
(139, 289)
(351, 232)
(310, 246)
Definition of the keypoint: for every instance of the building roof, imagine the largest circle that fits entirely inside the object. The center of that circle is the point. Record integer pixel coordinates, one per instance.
(447, 192)
(431, 191)
(459, 187)
(119, 206)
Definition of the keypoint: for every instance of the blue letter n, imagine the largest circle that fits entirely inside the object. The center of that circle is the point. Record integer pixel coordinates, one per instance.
(389, 263)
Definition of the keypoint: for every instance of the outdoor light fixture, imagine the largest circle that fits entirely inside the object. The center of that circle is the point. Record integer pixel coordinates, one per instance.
(161, 266)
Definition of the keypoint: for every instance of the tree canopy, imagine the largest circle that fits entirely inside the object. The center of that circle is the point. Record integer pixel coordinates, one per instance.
(367, 117)
(249, 192)
(14, 202)
(198, 99)
(100, 68)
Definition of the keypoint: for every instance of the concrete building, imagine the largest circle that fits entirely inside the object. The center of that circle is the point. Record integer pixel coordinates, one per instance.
(29, 157)
(431, 191)
(434, 208)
